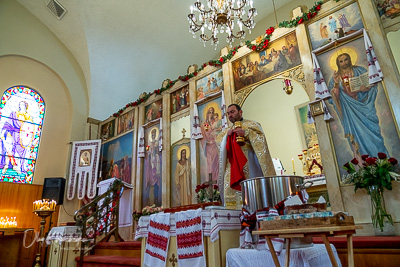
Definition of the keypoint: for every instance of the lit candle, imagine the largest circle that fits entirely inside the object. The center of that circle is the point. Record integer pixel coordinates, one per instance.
(293, 165)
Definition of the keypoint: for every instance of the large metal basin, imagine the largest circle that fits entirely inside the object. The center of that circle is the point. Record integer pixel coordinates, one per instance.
(262, 192)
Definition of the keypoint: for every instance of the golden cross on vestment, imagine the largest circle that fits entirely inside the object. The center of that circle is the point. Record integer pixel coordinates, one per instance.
(183, 132)
(76, 250)
(173, 260)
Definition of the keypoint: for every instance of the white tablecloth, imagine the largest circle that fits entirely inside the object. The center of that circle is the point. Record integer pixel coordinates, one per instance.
(64, 234)
(125, 203)
(213, 221)
(303, 257)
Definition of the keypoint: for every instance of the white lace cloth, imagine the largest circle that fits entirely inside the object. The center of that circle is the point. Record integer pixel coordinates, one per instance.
(64, 234)
(212, 222)
(125, 203)
(302, 257)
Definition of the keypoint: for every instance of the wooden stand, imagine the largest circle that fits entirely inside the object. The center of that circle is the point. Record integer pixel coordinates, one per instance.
(322, 230)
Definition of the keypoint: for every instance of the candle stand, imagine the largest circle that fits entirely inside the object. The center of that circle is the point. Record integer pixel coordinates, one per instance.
(42, 214)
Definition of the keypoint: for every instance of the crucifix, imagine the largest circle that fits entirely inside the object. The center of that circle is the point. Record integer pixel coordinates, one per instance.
(183, 132)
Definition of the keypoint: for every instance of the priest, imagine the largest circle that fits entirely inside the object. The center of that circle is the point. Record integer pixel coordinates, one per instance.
(244, 154)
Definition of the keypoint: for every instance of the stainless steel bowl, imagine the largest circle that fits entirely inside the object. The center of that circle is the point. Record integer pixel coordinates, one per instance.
(262, 192)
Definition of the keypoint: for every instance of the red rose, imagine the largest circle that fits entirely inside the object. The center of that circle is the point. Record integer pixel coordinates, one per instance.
(354, 161)
(142, 100)
(300, 21)
(195, 73)
(210, 63)
(309, 15)
(382, 155)
(370, 161)
(318, 7)
(314, 14)
(204, 65)
(120, 111)
(347, 166)
(393, 161)
(221, 60)
(233, 53)
(134, 103)
(270, 31)
(215, 186)
(171, 82)
(254, 47)
(364, 157)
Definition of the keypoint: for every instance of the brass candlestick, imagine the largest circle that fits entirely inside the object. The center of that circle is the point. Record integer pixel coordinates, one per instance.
(239, 139)
(43, 214)
(311, 160)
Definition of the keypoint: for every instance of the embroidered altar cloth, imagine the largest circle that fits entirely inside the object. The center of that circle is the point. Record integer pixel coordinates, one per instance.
(213, 221)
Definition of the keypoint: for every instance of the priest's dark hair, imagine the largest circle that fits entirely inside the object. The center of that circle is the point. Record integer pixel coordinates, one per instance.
(236, 105)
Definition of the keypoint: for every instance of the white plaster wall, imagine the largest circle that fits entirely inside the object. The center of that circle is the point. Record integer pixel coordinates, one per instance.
(31, 55)
(177, 126)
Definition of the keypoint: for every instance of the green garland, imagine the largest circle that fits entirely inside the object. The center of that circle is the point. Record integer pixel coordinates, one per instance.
(312, 12)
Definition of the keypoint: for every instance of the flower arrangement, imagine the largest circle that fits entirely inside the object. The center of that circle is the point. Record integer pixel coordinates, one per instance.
(148, 210)
(374, 175)
(207, 193)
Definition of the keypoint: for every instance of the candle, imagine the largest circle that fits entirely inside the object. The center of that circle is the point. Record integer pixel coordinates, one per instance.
(293, 165)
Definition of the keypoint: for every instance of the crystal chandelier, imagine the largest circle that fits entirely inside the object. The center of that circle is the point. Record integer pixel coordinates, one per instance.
(220, 16)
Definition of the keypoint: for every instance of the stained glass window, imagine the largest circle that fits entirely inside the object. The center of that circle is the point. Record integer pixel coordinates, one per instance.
(21, 118)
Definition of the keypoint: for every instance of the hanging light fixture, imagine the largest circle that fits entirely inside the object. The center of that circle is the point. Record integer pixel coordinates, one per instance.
(219, 16)
(287, 86)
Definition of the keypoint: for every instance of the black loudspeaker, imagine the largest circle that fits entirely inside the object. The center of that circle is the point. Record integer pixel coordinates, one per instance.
(53, 188)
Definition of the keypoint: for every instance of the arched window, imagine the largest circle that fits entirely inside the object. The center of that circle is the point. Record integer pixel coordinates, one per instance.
(21, 118)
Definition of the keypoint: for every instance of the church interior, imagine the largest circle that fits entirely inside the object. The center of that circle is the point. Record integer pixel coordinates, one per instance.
(113, 113)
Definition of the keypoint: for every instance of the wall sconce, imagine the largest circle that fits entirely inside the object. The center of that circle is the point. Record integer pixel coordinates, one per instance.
(206, 126)
(287, 87)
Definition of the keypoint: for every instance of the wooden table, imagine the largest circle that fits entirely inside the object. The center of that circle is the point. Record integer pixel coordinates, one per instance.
(12, 231)
(324, 232)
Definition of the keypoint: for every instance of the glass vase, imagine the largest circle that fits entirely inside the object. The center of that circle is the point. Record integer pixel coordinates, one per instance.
(381, 220)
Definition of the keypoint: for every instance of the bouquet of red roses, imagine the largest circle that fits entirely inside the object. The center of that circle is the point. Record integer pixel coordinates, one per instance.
(207, 192)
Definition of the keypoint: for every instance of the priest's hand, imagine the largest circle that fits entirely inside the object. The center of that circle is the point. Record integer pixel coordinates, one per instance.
(239, 131)
(230, 132)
